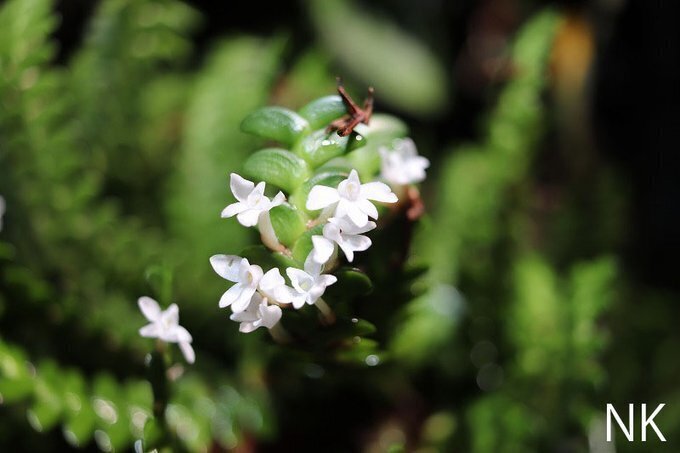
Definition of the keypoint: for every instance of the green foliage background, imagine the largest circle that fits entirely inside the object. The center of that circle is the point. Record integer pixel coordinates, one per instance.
(497, 328)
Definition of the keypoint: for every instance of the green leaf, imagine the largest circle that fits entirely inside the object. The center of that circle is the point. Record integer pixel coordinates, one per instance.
(288, 223)
(47, 407)
(304, 245)
(15, 380)
(276, 123)
(351, 282)
(322, 111)
(112, 413)
(362, 351)
(320, 147)
(267, 259)
(278, 167)
(80, 418)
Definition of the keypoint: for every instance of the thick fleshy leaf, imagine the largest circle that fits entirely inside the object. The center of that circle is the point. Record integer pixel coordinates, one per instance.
(278, 167)
(320, 112)
(276, 123)
(268, 259)
(362, 352)
(351, 282)
(288, 223)
(320, 147)
(304, 244)
(345, 332)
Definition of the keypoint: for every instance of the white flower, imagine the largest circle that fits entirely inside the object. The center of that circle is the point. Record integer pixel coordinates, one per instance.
(347, 235)
(238, 270)
(403, 165)
(2, 210)
(258, 313)
(248, 278)
(351, 198)
(309, 284)
(273, 286)
(164, 325)
(251, 201)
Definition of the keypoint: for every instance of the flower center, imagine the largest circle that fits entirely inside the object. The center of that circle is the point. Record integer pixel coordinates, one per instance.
(306, 284)
(352, 190)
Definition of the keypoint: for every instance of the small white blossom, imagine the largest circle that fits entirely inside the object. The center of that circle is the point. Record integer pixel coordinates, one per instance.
(309, 284)
(164, 325)
(248, 279)
(273, 287)
(2, 210)
(351, 198)
(251, 201)
(403, 165)
(345, 234)
(258, 313)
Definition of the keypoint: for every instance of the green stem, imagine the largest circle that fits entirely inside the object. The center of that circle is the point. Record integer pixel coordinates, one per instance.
(326, 311)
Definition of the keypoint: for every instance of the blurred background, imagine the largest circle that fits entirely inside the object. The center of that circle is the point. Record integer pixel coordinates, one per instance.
(540, 285)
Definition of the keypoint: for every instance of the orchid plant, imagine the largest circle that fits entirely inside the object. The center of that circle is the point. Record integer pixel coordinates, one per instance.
(336, 182)
(334, 179)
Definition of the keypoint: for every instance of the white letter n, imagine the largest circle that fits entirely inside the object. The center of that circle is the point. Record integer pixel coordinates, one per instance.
(650, 421)
(627, 432)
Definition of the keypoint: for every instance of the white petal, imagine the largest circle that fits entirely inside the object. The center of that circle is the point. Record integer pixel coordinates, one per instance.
(271, 280)
(150, 308)
(249, 217)
(259, 188)
(357, 242)
(149, 331)
(321, 196)
(348, 251)
(298, 300)
(233, 209)
(311, 266)
(243, 316)
(353, 177)
(231, 296)
(243, 300)
(278, 199)
(187, 351)
(378, 191)
(323, 249)
(182, 335)
(296, 277)
(170, 317)
(251, 275)
(271, 314)
(247, 327)
(356, 215)
(226, 266)
(240, 187)
(327, 279)
(368, 208)
(350, 228)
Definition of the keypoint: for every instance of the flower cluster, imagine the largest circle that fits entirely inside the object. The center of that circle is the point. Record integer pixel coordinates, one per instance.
(346, 212)
(256, 297)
